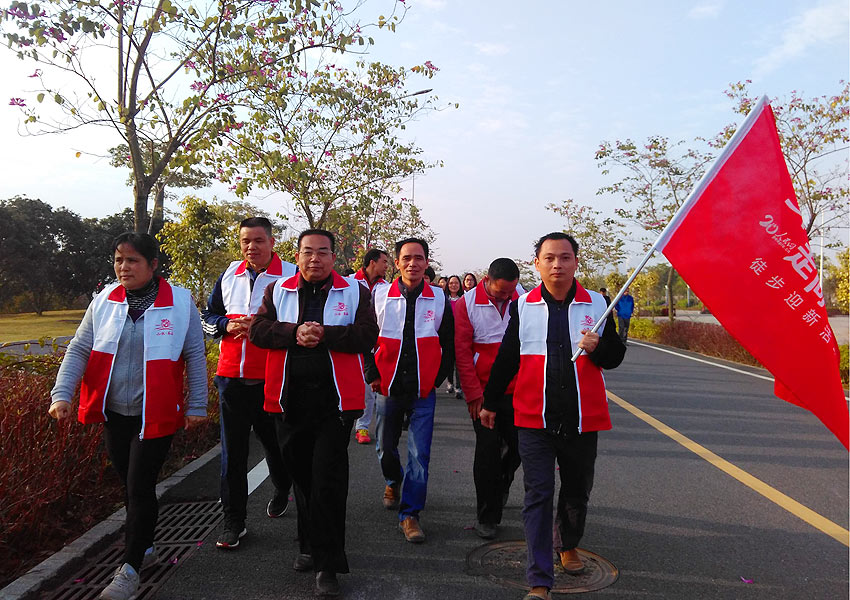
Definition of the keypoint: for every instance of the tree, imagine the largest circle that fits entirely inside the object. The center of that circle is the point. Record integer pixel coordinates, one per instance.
(179, 70)
(600, 242)
(812, 131)
(658, 178)
(325, 137)
(183, 178)
(375, 222)
(839, 273)
(51, 255)
(202, 240)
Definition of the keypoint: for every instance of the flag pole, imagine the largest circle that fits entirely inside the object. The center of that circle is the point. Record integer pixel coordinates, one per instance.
(686, 206)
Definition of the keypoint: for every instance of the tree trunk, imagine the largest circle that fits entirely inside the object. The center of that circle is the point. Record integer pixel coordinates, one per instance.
(140, 209)
(157, 215)
(670, 293)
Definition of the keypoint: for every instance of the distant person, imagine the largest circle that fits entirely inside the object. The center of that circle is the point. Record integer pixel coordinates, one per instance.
(605, 295)
(373, 271)
(129, 351)
(415, 352)
(455, 293)
(316, 326)
(469, 282)
(443, 282)
(430, 275)
(481, 318)
(240, 375)
(625, 307)
(555, 422)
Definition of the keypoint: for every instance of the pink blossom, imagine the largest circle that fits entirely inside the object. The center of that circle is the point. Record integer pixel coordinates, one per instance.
(431, 66)
(190, 65)
(293, 159)
(17, 102)
(223, 97)
(198, 86)
(229, 68)
(36, 73)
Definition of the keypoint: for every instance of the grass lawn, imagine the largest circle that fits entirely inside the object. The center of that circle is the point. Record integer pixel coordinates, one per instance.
(29, 326)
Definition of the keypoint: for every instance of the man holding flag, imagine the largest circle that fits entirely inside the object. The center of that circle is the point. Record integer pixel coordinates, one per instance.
(558, 406)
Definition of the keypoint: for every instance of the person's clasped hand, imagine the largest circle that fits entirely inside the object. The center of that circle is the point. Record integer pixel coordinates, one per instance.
(309, 334)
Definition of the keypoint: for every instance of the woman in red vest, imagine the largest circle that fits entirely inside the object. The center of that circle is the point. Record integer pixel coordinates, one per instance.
(130, 351)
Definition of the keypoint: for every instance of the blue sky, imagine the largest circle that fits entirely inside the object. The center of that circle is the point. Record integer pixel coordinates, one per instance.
(539, 84)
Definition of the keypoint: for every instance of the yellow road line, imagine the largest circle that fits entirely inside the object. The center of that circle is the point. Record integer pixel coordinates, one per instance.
(817, 521)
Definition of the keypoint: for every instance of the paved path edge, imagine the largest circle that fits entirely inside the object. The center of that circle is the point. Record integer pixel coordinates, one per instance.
(62, 562)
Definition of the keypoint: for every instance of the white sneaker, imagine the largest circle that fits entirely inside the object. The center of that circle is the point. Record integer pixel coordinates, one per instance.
(151, 558)
(124, 586)
(451, 389)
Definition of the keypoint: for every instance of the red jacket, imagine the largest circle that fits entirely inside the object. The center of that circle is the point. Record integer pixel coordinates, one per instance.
(479, 327)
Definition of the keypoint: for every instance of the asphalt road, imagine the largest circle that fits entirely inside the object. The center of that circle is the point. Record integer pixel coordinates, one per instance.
(674, 525)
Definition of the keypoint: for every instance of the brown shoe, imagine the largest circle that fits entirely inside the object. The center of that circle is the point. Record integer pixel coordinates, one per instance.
(411, 530)
(390, 497)
(571, 561)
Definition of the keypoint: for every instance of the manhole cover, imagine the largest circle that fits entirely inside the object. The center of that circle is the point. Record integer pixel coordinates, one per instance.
(180, 531)
(505, 562)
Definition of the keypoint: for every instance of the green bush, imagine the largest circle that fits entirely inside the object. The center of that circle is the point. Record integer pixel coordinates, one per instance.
(644, 329)
(843, 364)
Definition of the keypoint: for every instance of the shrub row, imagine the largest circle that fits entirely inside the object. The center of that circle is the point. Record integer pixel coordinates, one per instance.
(705, 338)
(55, 479)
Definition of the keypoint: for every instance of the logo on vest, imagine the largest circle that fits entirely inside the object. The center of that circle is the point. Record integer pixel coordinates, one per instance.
(341, 309)
(429, 316)
(587, 321)
(165, 327)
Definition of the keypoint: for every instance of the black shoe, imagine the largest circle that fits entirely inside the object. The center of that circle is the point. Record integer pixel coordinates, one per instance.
(229, 539)
(485, 531)
(505, 497)
(327, 584)
(277, 506)
(459, 395)
(303, 562)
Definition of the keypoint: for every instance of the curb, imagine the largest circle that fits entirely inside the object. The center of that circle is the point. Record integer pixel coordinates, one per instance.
(57, 565)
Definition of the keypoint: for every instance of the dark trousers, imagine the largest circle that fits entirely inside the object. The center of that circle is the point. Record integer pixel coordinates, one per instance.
(138, 463)
(241, 409)
(315, 450)
(623, 327)
(496, 461)
(576, 457)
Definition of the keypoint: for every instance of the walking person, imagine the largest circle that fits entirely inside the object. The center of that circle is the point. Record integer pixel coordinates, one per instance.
(375, 263)
(415, 351)
(605, 295)
(129, 351)
(481, 318)
(454, 290)
(240, 374)
(317, 326)
(469, 282)
(555, 422)
(625, 307)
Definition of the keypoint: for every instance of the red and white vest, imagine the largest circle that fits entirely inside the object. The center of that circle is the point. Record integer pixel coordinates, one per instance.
(347, 369)
(239, 357)
(530, 394)
(360, 276)
(391, 310)
(488, 329)
(165, 325)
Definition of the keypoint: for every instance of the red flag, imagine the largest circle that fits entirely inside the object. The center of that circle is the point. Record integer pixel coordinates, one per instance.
(739, 242)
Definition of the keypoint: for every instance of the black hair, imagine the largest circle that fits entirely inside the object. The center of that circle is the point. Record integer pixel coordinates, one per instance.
(323, 232)
(603, 290)
(258, 222)
(373, 255)
(503, 268)
(144, 244)
(474, 278)
(556, 235)
(412, 240)
(431, 274)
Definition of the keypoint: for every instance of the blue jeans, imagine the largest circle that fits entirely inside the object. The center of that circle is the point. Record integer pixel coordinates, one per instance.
(365, 421)
(389, 414)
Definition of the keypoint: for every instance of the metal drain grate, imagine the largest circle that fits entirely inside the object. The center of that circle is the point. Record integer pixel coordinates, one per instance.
(505, 562)
(180, 530)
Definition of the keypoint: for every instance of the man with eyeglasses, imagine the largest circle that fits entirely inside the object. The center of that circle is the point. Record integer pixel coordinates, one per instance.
(316, 325)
